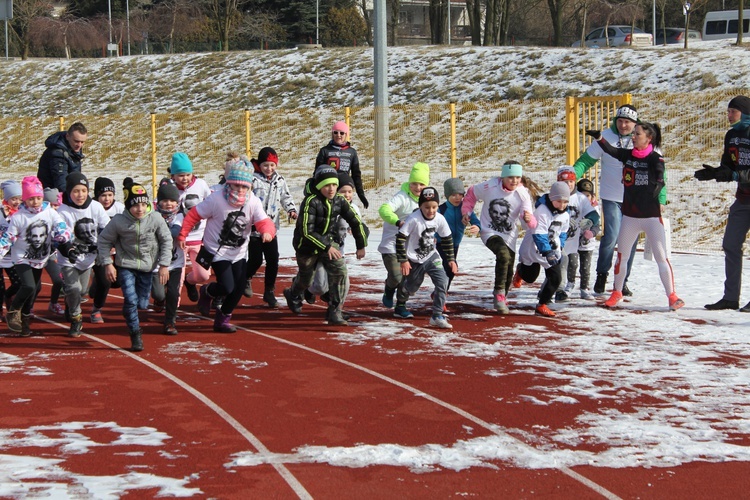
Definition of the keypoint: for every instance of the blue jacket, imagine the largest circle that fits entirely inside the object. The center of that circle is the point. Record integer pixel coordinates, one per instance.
(454, 218)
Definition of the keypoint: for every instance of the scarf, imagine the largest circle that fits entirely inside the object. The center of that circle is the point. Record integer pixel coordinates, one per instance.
(235, 199)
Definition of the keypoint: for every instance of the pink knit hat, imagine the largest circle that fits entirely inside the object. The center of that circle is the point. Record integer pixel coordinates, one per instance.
(341, 126)
(31, 187)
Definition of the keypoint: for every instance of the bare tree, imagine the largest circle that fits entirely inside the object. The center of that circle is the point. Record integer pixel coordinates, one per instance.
(66, 32)
(438, 21)
(740, 22)
(171, 19)
(368, 22)
(474, 14)
(393, 23)
(263, 27)
(557, 9)
(226, 16)
(24, 13)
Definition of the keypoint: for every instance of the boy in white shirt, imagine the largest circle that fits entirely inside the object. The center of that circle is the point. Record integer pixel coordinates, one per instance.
(416, 252)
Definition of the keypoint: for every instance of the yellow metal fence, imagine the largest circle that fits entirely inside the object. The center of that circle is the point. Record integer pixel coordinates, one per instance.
(486, 134)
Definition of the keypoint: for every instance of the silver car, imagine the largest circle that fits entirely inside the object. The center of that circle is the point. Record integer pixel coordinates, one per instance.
(616, 36)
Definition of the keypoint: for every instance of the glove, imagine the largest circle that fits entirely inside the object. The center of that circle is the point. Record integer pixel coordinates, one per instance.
(73, 254)
(706, 173)
(725, 174)
(292, 215)
(364, 201)
(596, 134)
(553, 257)
(588, 234)
(585, 224)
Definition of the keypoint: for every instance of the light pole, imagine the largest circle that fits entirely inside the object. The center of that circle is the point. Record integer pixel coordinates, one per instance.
(127, 17)
(109, 7)
(449, 22)
(317, 23)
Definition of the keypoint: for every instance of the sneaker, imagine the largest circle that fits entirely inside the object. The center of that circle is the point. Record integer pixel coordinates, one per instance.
(76, 327)
(500, 303)
(569, 287)
(561, 296)
(746, 308)
(192, 291)
(170, 329)
(388, 296)
(335, 318)
(723, 304)
(586, 294)
(326, 297)
(440, 322)
(517, 280)
(204, 301)
(159, 306)
(626, 291)
(402, 312)
(56, 309)
(613, 299)
(270, 299)
(96, 316)
(248, 291)
(543, 310)
(293, 302)
(601, 283)
(675, 302)
(309, 296)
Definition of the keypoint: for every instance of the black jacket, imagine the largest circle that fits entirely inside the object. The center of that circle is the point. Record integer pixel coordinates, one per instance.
(736, 156)
(345, 159)
(57, 161)
(317, 215)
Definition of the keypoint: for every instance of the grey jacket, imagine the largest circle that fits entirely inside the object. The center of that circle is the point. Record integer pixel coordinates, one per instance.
(141, 244)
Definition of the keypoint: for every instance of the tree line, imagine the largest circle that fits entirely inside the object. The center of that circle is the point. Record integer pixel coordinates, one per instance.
(84, 28)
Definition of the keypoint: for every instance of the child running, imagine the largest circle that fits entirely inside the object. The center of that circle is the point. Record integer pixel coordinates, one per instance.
(167, 297)
(272, 191)
(587, 242)
(314, 244)
(11, 201)
(28, 238)
(542, 246)
(394, 212)
(643, 180)
(505, 201)
(415, 250)
(143, 243)
(87, 218)
(230, 214)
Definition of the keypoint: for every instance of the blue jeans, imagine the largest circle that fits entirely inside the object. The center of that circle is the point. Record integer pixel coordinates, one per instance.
(612, 211)
(136, 289)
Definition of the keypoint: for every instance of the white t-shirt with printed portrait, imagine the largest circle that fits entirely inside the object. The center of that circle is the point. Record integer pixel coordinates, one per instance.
(420, 235)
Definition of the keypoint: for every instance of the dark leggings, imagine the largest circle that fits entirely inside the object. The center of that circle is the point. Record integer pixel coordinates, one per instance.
(256, 251)
(168, 294)
(29, 281)
(102, 285)
(230, 283)
(55, 275)
(553, 276)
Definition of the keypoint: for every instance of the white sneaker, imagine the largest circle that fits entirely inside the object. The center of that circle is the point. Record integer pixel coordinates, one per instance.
(569, 287)
(587, 295)
(440, 322)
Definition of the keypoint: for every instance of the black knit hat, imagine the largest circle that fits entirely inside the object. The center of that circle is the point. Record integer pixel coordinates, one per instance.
(134, 193)
(167, 190)
(740, 103)
(585, 186)
(429, 194)
(103, 185)
(75, 179)
(325, 175)
(345, 179)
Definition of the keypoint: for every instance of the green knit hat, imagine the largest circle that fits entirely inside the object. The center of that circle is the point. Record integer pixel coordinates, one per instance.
(420, 172)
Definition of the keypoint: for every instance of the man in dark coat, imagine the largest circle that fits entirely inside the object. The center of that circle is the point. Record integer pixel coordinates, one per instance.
(63, 156)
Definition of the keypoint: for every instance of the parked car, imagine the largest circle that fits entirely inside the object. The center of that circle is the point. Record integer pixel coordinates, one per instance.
(617, 36)
(677, 35)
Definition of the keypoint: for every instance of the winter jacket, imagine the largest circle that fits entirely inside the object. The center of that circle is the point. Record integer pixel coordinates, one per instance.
(313, 235)
(343, 158)
(398, 208)
(455, 221)
(274, 195)
(141, 244)
(57, 161)
(736, 156)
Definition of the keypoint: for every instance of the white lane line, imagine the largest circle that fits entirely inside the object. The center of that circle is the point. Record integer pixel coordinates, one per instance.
(293, 483)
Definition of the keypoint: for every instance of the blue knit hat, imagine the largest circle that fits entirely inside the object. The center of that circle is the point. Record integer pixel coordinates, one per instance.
(241, 173)
(181, 164)
(10, 189)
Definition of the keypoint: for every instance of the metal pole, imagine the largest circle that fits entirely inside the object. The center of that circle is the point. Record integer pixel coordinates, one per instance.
(380, 56)
(653, 22)
(6, 39)
(317, 23)
(127, 16)
(109, 6)
(449, 25)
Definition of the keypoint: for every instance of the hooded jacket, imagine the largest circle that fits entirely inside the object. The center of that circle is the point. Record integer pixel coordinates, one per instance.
(57, 161)
(141, 244)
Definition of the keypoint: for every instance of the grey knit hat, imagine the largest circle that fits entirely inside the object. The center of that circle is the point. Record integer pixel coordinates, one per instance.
(452, 186)
(559, 191)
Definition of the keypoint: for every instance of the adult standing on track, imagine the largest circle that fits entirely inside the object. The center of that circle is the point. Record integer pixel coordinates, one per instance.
(619, 134)
(340, 155)
(63, 156)
(734, 166)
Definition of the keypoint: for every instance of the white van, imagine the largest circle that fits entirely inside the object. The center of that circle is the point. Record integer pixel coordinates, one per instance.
(723, 24)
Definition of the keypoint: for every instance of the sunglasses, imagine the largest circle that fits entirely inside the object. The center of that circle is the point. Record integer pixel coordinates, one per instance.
(339, 133)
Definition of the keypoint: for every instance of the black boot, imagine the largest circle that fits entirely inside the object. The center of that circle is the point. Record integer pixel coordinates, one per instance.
(601, 282)
(723, 304)
(136, 342)
(270, 299)
(294, 302)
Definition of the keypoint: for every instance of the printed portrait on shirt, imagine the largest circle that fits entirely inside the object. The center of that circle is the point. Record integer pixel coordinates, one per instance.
(553, 234)
(189, 202)
(573, 227)
(426, 243)
(84, 230)
(499, 211)
(38, 242)
(233, 231)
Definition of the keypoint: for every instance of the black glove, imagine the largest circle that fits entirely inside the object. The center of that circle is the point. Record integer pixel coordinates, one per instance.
(363, 200)
(706, 173)
(596, 134)
(73, 254)
(724, 174)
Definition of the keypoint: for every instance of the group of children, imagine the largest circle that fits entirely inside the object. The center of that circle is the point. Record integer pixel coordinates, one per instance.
(229, 229)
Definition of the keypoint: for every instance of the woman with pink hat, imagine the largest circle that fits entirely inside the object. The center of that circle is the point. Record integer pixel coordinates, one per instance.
(340, 155)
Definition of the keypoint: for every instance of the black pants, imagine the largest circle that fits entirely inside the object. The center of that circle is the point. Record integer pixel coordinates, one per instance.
(256, 251)
(446, 267)
(55, 275)
(168, 294)
(553, 276)
(230, 283)
(102, 286)
(29, 280)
